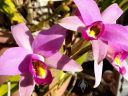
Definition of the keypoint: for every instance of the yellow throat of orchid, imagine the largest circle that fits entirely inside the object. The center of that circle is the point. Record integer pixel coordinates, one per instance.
(39, 69)
(93, 32)
(117, 60)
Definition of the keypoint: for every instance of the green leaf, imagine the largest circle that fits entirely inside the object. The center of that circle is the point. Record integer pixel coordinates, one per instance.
(81, 55)
(7, 7)
(119, 1)
(14, 85)
(81, 59)
(105, 3)
(124, 5)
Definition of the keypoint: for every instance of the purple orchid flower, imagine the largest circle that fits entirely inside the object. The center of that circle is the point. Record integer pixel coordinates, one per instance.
(33, 56)
(99, 28)
(117, 57)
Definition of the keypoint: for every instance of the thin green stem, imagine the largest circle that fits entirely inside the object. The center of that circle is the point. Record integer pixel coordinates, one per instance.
(74, 82)
(58, 83)
(122, 3)
(81, 52)
(9, 88)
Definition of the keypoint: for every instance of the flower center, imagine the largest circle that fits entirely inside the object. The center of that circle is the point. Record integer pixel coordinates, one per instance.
(39, 69)
(93, 31)
(117, 60)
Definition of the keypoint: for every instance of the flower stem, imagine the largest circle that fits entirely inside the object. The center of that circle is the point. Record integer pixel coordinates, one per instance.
(81, 52)
(73, 85)
(9, 88)
(58, 83)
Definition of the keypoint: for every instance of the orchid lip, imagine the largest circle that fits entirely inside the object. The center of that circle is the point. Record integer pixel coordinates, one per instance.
(122, 70)
(93, 31)
(39, 70)
(118, 59)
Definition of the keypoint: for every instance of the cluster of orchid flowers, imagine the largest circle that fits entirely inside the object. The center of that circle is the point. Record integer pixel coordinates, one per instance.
(34, 56)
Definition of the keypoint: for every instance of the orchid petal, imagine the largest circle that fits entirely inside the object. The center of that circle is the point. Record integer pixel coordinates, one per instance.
(99, 50)
(14, 61)
(26, 85)
(124, 65)
(126, 28)
(115, 33)
(98, 73)
(48, 42)
(63, 62)
(111, 52)
(89, 11)
(77, 13)
(22, 35)
(72, 23)
(99, 53)
(111, 14)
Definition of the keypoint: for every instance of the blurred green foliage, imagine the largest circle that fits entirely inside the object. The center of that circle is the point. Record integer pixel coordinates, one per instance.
(14, 86)
(9, 9)
(105, 3)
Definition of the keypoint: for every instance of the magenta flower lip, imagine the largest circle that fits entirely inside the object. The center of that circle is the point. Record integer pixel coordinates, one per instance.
(118, 60)
(93, 31)
(37, 67)
(122, 70)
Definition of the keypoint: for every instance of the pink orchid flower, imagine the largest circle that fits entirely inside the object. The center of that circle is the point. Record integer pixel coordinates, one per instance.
(99, 28)
(33, 56)
(117, 57)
